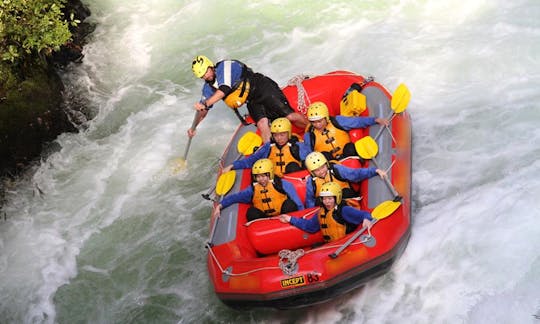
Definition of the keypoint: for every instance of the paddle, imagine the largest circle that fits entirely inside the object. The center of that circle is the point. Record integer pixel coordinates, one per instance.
(179, 163)
(383, 210)
(246, 144)
(225, 182)
(367, 148)
(400, 101)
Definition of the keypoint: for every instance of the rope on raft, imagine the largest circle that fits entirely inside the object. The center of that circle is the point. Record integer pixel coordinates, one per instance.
(303, 99)
(287, 259)
(297, 254)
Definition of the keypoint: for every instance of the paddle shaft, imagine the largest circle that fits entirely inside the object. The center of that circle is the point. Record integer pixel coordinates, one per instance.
(400, 100)
(214, 226)
(212, 190)
(187, 149)
(193, 127)
(209, 192)
(389, 118)
(213, 231)
(388, 183)
(350, 241)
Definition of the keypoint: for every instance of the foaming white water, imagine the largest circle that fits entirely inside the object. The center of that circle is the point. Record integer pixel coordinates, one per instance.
(116, 238)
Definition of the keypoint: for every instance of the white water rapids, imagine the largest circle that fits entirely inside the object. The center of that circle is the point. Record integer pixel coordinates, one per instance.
(114, 238)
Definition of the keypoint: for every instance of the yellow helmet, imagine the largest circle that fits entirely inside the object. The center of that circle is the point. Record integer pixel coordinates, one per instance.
(200, 64)
(331, 189)
(280, 125)
(263, 166)
(315, 160)
(317, 110)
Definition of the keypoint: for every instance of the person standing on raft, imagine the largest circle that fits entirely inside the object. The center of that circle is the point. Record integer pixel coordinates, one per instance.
(235, 83)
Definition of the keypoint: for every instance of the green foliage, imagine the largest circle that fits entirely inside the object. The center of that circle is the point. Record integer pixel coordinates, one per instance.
(30, 27)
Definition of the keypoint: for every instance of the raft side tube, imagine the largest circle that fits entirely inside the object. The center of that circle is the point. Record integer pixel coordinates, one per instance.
(270, 235)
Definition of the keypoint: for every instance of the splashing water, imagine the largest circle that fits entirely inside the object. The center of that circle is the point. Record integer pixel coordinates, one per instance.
(101, 232)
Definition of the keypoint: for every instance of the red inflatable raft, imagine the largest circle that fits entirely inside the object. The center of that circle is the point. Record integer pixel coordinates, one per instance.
(266, 263)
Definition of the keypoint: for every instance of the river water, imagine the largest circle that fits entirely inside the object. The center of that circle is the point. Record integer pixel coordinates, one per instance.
(100, 231)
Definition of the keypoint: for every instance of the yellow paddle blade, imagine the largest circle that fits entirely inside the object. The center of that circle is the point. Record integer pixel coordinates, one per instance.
(400, 98)
(225, 182)
(177, 165)
(366, 147)
(353, 104)
(248, 142)
(385, 209)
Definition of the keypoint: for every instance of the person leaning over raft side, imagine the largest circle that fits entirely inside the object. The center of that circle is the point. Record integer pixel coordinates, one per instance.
(323, 171)
(270, 195)
(335, 219)
(284, 150)
(234, 82)
(329, 135)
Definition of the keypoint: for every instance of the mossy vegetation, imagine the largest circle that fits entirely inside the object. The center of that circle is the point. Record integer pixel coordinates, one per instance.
(32, 27)
(32, 34)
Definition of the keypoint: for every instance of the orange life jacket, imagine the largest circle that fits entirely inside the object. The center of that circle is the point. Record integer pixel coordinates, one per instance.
(331, 139)
(281, 157)
(330, 176)
(268, 199)
(331, 229)
(345, 184)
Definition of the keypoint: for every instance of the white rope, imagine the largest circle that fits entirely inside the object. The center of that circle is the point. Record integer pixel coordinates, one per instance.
(302, 95)
(298, 252)
(390, 167)
(235, 274)
(303, 98)
(287, 261)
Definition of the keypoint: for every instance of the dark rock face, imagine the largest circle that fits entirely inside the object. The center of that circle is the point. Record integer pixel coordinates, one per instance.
(31, 115)
(33, 109)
